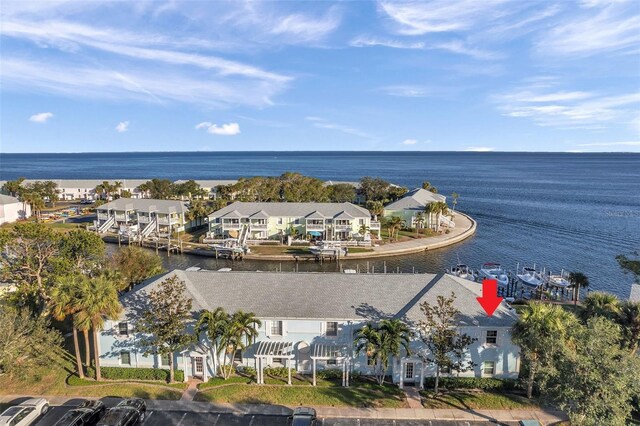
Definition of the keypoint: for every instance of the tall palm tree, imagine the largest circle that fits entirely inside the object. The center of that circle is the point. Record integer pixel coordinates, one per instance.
(242, 330)
(381, 342)
(599, 303)
(537, 332)
(35, 201)
(629, 319)
(364, 229)
(64, 303)
(440, 208)
(419, 221)
(99, 302)
(431, 209)
(116, 187)
(578, 280)
(213, 324)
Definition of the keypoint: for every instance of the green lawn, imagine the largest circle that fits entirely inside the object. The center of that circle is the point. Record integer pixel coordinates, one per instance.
(52, 380)
(360, 394)
(476, 400)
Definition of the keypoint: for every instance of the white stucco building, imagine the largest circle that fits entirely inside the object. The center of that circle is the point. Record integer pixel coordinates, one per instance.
(309, 320)
(12, 209)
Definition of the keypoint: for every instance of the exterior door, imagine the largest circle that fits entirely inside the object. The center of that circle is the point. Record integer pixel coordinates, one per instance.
(408, 372)
(198, 366)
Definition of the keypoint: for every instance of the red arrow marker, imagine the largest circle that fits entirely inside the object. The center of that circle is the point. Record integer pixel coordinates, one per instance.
(489, 300)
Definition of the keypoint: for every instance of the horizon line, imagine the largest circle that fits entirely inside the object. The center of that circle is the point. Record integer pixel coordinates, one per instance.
(321, 151)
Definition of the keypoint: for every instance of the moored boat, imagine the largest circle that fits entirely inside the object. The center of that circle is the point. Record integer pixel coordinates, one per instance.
(529, 277)
(463, 271)
(494, 271)
(560, 280)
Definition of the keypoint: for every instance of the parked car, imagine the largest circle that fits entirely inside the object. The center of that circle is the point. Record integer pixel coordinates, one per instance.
(127, 413)
(303, 416)
(26, 413)
(85, 414)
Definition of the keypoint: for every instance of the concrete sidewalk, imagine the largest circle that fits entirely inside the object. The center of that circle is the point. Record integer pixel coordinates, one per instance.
(545, 417)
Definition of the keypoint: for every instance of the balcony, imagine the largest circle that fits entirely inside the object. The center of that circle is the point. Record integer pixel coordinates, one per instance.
(103, 216)
(122, 217)
(258, 226)
(231, 226)
(343, 227)
(315, 227)
(165, 221)
(144, 219)
(374, 225)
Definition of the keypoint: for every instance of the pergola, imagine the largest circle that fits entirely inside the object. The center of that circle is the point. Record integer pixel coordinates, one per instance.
(416, 361)
(272, 348)
(329, 351)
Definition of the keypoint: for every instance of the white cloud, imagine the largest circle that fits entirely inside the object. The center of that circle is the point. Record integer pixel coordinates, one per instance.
(228, 129)
(407, 91)
(409, 142)
(305, 27)
(459, 47)
(374, 41)
(547, 106)
(479, 149)
(42, 117)
(321, 123)
(122, 127)
(613, 28)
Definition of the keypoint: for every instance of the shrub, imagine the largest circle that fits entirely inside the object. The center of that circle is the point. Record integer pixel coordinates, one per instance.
(278, 371)
(330, 373)
(483, 383)
(269, 243)
(246, 370)
(130, 373)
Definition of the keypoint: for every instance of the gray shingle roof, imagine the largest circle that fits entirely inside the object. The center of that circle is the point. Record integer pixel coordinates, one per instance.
(8, 199)
(416, 198)
(146, 205)
(327, 296)
(292, 209)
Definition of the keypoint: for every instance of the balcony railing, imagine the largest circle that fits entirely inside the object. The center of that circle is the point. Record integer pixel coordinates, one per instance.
(144, 219)
(103, 216)
(258, 226)
(314, 227)
(343, 227)
(166, 221)
(230, 226)
(122, 217)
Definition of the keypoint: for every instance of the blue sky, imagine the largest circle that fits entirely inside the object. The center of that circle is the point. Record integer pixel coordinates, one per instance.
(512, 75)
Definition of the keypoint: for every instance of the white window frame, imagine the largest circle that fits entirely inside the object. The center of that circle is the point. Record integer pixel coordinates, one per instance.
(125, 352)
(120, 333)
(493, 368)
(326, 329)
(280, 327)
(487, 337)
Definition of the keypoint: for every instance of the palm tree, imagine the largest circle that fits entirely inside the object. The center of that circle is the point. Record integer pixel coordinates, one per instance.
(35, 201)
(601, 304)
(64, 303)
(577, 280)
(116, 187)
(430, 209)
(213, 325)
(381, 342)
(242, 330)
(98, 302)
(419, 221)
(537, 332)
(364, 229)
(629, 319)
(455, 197)
(440, 208)
(395, 223)
(144, 189)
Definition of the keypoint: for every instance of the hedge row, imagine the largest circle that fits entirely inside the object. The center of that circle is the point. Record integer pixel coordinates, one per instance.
(131, 373)
(279, 371)
(483, 383)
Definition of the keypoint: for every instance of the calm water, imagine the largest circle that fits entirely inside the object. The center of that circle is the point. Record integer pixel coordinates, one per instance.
(572, 211)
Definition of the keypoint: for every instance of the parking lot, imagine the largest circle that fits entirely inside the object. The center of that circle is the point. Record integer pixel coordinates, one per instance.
(190, 418)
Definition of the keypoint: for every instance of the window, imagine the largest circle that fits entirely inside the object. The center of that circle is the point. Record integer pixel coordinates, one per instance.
(125, 358)
(276, 328)
(332, 328)
(492, 337)
(371, 361)
(123, 328)
(331, 362)
(297, 221)
(445, 369)
(280, 361)
(238, 355)
(488, 368)
(164, 359)
(279, 221)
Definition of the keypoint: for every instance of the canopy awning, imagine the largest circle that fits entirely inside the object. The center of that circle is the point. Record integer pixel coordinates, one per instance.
(274, 348)
(315, 233)
(328, 351)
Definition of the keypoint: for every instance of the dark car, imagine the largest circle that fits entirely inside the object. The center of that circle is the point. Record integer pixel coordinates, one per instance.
(303, 416)
(127, 413)
(85, 414)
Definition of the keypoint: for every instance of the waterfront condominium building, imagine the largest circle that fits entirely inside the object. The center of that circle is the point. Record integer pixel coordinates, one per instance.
(152, 217)
(308, 321)
(329, 221)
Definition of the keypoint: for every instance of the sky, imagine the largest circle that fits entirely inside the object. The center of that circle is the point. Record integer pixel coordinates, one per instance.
(442, 75)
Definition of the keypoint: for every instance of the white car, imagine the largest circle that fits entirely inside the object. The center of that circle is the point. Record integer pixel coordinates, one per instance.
(24, 414)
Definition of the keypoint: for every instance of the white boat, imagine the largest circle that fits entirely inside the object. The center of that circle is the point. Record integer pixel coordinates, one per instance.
(530, 278)
(560, 281)
(463, 271)
(327, 250)
(494, 271)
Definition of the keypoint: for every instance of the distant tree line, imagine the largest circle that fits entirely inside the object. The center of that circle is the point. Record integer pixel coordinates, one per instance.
(35, 194)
